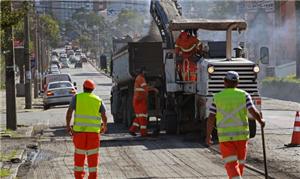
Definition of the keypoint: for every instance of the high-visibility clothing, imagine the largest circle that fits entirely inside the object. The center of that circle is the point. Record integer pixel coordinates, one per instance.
(187, 46)
(140, 105)
(232, 120)
(189, 71)
(87, 117)
(86, 145)
(234, 156)
(140, 90)
(139, 123)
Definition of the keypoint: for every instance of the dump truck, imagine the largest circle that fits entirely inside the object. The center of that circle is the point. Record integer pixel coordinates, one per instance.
(181, 106)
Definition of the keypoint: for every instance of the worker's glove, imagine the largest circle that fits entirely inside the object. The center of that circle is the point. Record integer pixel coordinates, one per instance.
(262, 123)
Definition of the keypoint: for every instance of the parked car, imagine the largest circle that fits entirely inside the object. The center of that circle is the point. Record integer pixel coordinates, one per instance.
(58, 93)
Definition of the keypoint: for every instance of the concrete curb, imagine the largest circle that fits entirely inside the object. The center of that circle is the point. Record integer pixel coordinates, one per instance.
(22, 132)
(100, 71)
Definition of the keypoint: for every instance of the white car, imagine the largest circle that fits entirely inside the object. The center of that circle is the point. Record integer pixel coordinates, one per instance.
(58, 93)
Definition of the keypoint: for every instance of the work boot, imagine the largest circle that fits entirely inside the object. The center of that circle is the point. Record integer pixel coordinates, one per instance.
(132, 133)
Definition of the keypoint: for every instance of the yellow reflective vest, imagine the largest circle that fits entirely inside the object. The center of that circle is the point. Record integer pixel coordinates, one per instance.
(87, 116)
(232, 119)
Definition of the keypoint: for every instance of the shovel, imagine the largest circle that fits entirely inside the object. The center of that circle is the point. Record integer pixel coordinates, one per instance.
(264, 152)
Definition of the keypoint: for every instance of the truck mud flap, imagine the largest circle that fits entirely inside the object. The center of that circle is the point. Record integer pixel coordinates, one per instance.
(170, 121)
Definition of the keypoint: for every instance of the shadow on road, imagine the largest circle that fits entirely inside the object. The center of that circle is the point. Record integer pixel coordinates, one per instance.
(87, 74)
(104, 84)
(116, 138)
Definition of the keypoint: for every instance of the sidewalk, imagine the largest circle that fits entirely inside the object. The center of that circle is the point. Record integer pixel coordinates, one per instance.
(13, 143)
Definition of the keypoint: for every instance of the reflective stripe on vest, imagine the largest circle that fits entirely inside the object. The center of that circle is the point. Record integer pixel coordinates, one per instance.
(232, 120)
(143, 127)
(186, 49)
(143, 84)
(141, 115)
(87, 117)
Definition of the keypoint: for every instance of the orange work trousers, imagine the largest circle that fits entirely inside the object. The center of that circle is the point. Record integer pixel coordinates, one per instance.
(141, 114)
(86, 145)
(139, 122)
(234, 155)
(189, 71)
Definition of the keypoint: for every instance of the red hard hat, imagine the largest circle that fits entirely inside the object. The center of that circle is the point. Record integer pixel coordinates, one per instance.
(89, 84)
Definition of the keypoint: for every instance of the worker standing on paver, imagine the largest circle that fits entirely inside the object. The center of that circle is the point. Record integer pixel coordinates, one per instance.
(229, 112)
(89, 120)
(187, 46)
(140, 104)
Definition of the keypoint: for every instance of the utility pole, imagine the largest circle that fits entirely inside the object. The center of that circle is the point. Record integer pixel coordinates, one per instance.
(297, 4)
(11, 116)
(28, 85)
(36, 47)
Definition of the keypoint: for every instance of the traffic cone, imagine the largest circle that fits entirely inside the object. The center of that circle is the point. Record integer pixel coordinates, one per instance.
(296, 133)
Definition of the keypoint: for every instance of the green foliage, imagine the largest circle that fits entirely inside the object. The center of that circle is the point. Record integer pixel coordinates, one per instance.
(91, 19)
(4, 172)
(129, 21)
(7, 156)
(289, 79)
(10, 18)
(50, 29)
(223, 10)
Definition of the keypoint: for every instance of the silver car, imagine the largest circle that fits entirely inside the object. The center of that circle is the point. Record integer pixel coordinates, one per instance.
(58, 93)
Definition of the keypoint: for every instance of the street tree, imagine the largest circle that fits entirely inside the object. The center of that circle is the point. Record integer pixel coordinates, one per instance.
(129, 22)
(50, 28)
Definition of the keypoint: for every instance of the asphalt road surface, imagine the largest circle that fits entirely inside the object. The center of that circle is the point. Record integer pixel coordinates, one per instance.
(123, 156)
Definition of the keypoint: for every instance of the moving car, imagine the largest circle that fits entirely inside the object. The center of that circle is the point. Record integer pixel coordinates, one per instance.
(78, 64)
(83, 58)
(72, 59)
(54, 69)
(56, 77)
(58, 93)
(64, 62)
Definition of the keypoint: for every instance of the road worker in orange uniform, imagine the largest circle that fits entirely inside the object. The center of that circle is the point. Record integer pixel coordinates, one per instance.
(187, 45)
(89, 120)
(140, 104)
(229, 112)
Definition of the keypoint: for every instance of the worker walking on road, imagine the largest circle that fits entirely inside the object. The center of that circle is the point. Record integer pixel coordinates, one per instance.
(89, 120)
(140, 104)
(229, 112)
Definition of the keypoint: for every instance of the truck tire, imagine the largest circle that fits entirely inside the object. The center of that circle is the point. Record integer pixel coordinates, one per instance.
(117, 119)
(129, 111)
(252, 128)
(46, 106)
(170, 119)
